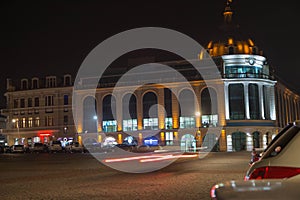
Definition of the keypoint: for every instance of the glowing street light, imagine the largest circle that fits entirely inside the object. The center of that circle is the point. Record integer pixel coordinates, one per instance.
(16, 125)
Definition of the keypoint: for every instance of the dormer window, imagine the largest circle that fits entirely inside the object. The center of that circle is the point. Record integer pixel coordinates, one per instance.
(35, 83)
(67, 80)
(24, 84)
(50, 81)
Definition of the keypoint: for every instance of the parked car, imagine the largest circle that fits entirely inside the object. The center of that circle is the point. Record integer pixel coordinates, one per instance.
(7, 149)
(17, 148)
(277, 172)
(92, 148)
(281, 159)
(266, 189)
(74, 147)
(55, 146)
(127, 147)
(37, 147)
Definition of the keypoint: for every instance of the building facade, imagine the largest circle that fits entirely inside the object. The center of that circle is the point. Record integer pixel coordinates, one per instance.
(244, 108)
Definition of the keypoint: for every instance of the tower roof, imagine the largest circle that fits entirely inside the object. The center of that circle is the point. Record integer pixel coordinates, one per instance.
(229, 39)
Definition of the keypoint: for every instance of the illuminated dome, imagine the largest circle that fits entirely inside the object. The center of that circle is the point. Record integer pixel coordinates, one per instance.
(230, 40)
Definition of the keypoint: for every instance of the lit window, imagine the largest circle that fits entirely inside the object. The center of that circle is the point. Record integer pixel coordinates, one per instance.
(130, 125)
(187, 122)
(110, 126)
(150, 123)
(37, 122)
(30, 122)
(168, 123)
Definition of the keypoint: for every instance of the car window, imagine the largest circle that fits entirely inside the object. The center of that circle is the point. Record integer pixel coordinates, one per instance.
(289, 125)
(282, 142)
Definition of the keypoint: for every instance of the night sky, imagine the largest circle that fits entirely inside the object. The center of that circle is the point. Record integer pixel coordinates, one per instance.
(40, 38)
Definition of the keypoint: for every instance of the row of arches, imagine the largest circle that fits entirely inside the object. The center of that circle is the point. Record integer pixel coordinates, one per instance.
(149, 109)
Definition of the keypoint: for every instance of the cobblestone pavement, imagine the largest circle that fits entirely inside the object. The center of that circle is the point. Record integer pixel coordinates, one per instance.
(80, 176)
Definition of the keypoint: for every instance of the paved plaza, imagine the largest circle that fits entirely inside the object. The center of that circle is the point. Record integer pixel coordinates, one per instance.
(81, 176)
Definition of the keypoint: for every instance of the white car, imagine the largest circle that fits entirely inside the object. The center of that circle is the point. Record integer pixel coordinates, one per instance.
(281, 159)
(55, 146)
(17, 148)
(266, 189)
(276, 175)
(74, 147)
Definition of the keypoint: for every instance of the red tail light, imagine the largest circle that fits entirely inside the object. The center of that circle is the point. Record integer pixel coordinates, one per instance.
(274, 172)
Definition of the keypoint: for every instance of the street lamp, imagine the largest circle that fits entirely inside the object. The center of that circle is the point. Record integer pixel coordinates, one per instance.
(65, 129)
(16, 125)
(95, 117)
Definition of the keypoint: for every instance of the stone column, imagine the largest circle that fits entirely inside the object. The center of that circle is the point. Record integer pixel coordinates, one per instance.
(246, 100)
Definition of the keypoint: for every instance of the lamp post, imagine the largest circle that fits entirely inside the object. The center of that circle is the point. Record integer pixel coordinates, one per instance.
(16, 125)
(95, 117)
(65, 129)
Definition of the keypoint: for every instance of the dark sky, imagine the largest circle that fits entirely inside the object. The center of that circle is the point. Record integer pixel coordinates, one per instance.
(40, 38)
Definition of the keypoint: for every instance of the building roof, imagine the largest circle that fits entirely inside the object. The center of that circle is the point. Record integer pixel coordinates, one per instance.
(228, 38)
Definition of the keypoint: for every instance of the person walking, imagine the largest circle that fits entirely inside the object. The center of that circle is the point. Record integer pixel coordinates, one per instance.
(254, 156)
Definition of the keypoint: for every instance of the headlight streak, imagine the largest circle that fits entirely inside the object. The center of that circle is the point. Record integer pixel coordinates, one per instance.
(149, 158)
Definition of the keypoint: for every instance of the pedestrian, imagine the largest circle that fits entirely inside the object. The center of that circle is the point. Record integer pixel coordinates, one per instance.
(254, 156)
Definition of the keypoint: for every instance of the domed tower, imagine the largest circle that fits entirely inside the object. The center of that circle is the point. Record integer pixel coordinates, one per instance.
(249, 95)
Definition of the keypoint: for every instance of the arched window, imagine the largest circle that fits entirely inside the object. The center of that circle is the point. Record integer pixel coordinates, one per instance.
(168, 108)
(109, 123)
(150, 111)
(209, 107)
(129, 112)
(24, 84)
(35, 83)
(90, 121)
(187, 109)
(67, 80)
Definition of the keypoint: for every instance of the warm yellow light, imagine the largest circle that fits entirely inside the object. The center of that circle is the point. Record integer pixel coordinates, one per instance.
(162, 136)
(230, 41)
(140, 138)
(246, 49)
(251, 42)
(209, 46)
(240, 47)
(120, 141)
(99, 138)
(176, 135)
(223, 133)
(80, 139)
(140, 125)
(227, 13)
(79, 128)
(200, 55)
(215, 51)
(175, 122)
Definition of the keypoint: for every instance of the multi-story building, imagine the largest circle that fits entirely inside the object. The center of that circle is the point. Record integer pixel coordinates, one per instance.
(242, 109)
(39, 110)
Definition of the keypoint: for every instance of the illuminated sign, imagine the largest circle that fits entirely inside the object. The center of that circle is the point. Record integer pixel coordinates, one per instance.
(151, 141)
